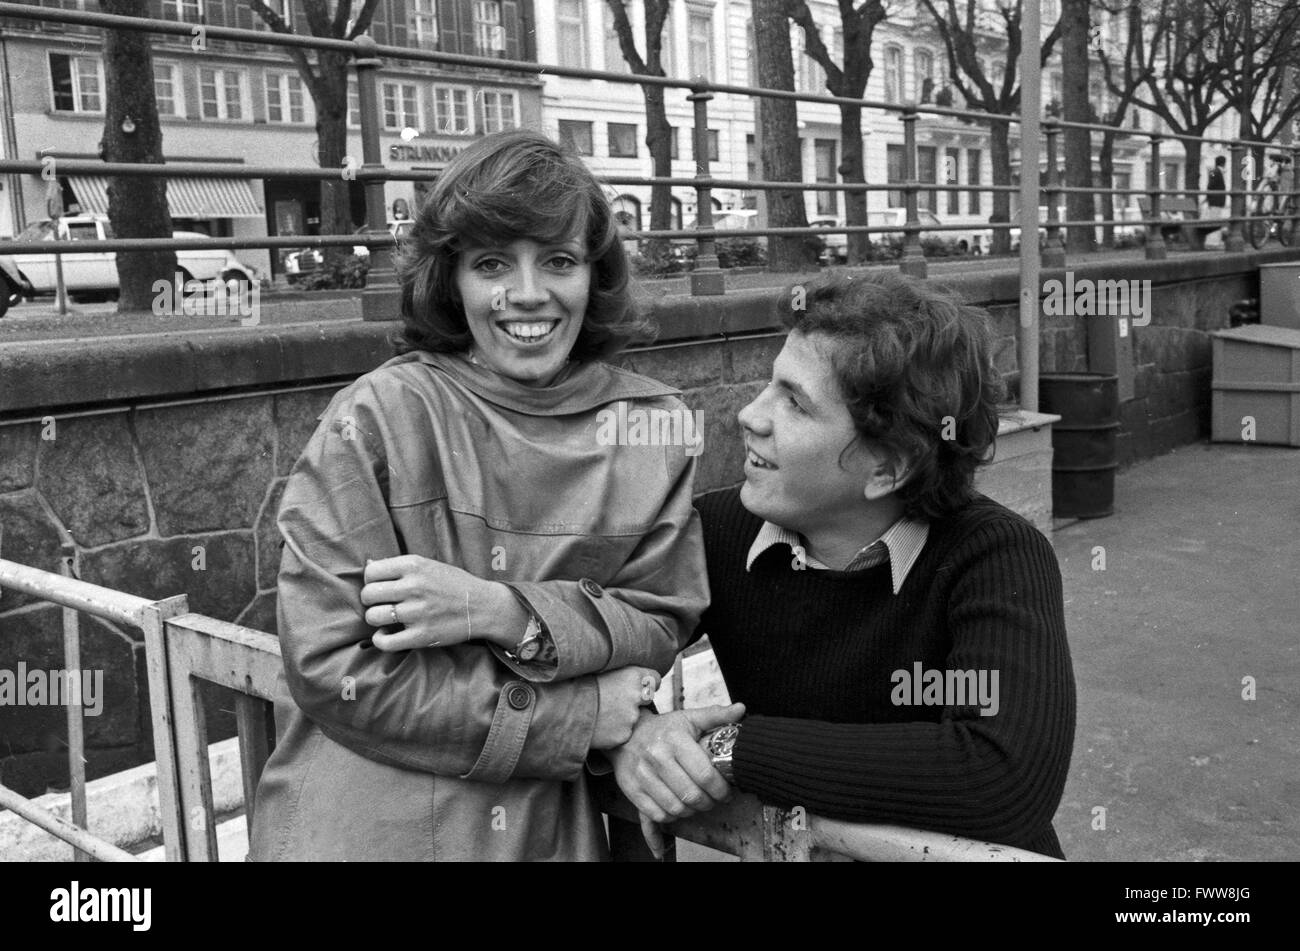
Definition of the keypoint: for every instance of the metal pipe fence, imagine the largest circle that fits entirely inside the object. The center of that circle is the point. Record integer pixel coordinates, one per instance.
(706, 278)
(184, 649)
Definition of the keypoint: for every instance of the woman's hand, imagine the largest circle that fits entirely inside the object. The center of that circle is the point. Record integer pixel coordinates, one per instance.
(622, 695)
(437, 605)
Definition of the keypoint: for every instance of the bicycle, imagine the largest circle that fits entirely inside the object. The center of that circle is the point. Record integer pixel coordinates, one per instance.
(1272, 215)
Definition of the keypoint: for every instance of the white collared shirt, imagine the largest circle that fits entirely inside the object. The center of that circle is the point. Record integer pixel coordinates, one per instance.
(900, 545)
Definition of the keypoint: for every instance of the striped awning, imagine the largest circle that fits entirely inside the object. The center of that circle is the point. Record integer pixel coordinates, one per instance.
(186, 197)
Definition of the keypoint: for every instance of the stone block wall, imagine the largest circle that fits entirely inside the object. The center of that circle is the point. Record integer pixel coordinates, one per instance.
(159, 463)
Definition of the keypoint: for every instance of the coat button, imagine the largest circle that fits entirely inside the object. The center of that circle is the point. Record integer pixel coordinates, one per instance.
(593, 589)
(519, 697)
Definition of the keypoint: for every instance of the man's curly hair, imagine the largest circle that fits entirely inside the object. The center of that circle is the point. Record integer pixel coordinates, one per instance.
(914, 367)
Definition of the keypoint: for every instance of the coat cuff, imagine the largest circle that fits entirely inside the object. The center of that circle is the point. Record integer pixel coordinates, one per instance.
(505, 740)
(572, 624)
(539, 732)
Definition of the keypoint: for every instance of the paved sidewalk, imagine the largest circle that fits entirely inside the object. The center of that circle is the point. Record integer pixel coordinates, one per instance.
(1201, 589)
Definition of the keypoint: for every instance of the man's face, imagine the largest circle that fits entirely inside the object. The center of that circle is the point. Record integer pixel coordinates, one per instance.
(797, 472)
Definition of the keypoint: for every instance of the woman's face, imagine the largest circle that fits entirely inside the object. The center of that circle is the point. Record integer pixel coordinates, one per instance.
(524, 302)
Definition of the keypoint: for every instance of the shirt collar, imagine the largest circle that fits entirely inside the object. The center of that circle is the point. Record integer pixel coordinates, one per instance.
(902, 542)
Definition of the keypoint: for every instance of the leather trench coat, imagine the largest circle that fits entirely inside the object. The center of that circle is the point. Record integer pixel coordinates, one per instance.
(458, 752)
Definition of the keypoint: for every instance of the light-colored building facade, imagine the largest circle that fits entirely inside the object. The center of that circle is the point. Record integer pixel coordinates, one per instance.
(606, 121)
(243, 103)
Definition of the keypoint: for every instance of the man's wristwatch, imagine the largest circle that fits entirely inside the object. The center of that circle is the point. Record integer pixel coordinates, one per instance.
(720, 744)
(530, 644)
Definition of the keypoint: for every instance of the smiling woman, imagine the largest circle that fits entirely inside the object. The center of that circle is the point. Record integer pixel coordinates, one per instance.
(477, 591)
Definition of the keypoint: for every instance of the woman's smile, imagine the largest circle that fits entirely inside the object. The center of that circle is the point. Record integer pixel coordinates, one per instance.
(524, 302)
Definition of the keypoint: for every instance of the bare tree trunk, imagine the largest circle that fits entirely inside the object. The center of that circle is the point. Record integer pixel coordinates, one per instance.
(658, 140)
(137, 207)
(779, 134)
(1107, 180)
(852, 172)
(1077, 108)
(1192, 173)
(1000, 155)
(331, 98)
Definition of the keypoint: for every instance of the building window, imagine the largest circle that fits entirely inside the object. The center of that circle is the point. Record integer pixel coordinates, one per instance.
(422, 24)
(183, 11)
(627, 212)
(672, 143)
(751, 61)
(667, 56)
(699, 39)
(577, 136)
(926, 156)
(489, 33)
(894, 173)
(711, 142)
(622, 140)
(354, 104)
(1172, 176)
(824, 153)
(167, 90)
(614, 61)
(924, 64)
(284, 98)
(952, 163)
(280, 8)
(571, 32)
(893, 74)
(76, 83)
(500, 110)
(451, 113)
(221, 94)
(751, 160)
(974, 197)
(401, 106)
(809, 74)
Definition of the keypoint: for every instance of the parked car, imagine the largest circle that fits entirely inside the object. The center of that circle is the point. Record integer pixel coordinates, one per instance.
(973, 241)
(298, 264)
(1124, 213)
(90, 272)
(741, 219)
(836, 243)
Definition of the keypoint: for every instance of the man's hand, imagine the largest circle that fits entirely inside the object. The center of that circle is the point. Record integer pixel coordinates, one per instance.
(663, 769)
(621, 695)
(437, 605)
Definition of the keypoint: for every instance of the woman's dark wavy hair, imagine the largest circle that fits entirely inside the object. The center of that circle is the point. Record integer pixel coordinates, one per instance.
(503, 187)
(907, 356)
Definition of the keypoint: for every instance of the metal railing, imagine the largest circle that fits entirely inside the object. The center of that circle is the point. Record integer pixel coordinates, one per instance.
(706, 278)
(182, 649)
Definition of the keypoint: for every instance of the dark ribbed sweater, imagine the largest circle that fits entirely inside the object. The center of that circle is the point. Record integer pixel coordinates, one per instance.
(812, 655)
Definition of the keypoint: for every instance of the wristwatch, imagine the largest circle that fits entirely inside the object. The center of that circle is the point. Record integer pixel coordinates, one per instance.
(720, 744)
(530, 644)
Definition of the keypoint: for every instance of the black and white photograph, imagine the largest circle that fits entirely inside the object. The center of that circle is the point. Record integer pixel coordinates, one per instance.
(511, 431)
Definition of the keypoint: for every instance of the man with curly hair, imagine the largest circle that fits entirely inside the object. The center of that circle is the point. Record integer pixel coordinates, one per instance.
(896, 638)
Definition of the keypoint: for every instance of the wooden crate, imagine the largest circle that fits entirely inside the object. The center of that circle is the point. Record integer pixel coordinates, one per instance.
(1257, 375)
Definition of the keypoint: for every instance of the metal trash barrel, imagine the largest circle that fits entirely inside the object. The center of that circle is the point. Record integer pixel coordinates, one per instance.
(1083, 442)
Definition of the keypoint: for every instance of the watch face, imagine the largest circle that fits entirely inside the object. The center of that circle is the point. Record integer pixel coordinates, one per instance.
(723, 740)
(528, 650)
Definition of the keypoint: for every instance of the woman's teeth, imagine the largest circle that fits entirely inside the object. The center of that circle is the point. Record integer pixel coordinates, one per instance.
(759, 463)
(530, 331)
